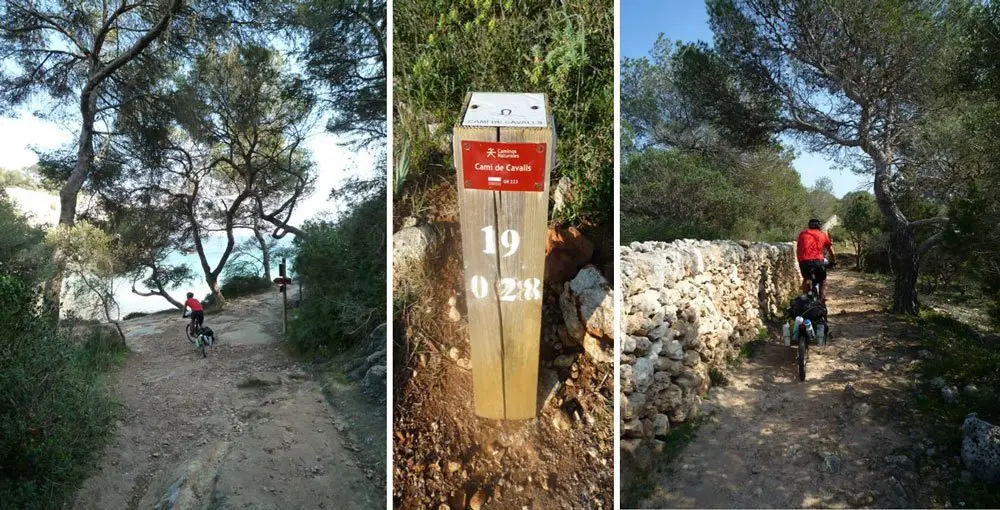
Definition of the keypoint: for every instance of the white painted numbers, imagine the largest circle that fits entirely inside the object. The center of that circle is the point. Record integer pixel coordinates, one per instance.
(507, 289)
(509, 239)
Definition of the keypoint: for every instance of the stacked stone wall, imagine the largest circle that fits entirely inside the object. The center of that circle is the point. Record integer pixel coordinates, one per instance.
(688, 307)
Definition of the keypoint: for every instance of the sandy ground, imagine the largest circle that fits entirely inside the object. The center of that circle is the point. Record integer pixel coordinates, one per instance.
(246, 427)
(768, 440)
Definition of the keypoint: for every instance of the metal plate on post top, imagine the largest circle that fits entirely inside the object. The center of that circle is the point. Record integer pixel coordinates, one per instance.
(503, 109)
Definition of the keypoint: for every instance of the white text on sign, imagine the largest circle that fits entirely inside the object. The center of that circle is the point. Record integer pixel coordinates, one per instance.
(509, 239)
(509, 289)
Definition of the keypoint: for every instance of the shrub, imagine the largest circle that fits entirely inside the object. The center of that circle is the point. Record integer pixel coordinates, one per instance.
(671, 194)
(56, 411)
(242, 285)
(341, 267)
(239, 285)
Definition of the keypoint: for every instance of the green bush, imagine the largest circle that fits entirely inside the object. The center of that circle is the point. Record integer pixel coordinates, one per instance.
(672, 194)
(56, 412)
(341, 267)
(446, 48)
(242, 285)
(238, 285)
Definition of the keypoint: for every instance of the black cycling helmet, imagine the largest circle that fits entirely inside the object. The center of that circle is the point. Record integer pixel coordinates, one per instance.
(190, 294)
(814, 223)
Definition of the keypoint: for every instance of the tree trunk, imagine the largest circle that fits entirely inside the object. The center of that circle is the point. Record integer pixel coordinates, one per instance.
(902, 243)
(905, 263)
(68, 195)
(213, 283)
(265, 251)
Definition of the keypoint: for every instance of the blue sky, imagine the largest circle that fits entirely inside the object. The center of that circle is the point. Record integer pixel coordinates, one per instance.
(641, 23)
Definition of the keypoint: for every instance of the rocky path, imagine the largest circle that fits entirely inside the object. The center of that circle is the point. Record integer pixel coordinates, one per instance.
(246, 427)
(768, 440)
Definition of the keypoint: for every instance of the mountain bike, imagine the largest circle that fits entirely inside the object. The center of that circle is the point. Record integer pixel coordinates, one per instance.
(810, 322)
(193, 333)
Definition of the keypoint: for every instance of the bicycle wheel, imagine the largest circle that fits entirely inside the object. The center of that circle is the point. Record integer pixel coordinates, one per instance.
(189, 332)
(201, 347)
(803, 352)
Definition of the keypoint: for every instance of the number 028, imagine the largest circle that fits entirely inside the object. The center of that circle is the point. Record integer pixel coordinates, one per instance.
(509, 289)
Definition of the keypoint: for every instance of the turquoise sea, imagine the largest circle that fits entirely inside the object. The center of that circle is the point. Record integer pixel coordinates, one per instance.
(129, 302)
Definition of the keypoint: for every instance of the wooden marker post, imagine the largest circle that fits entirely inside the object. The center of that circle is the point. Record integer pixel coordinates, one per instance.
(284, 297)
(504, 148)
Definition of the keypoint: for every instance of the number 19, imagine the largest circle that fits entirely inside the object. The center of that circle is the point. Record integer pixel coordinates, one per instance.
(509, 239)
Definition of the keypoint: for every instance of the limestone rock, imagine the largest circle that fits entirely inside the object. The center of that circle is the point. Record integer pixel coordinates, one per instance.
(643, 369)
(587, 305)
(661, 425)
(595, 351)
(411, 247)
(562, 194)
(981, 448)
(374, 382)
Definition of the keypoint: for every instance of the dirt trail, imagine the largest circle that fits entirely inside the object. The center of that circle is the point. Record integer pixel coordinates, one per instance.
(245, 427)
(833, 440)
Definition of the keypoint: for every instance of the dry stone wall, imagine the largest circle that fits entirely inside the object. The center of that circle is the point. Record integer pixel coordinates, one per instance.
(688, 306)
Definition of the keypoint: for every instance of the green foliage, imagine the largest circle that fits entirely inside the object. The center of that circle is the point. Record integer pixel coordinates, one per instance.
(861, 219)
(56, 413)
(23, 252)
(672, 194)
(446, 48)
(341, 267)
(402, 170)
(345, 54)
(16, 179)
(820, 201)
(243, 285)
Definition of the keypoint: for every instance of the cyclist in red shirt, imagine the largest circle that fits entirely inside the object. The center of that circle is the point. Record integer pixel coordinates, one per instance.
(197, 312)
(809, 252)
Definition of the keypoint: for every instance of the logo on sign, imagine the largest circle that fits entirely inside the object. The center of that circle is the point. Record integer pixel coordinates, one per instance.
(500, 166)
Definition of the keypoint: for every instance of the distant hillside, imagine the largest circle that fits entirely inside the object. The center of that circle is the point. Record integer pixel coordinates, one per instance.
(41, 207)
(17, 179)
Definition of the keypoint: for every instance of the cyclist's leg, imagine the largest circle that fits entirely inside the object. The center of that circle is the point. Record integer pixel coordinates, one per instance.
(821, 276)
(804, 269)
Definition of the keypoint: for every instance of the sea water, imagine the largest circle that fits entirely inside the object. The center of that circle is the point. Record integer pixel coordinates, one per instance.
(130, 302)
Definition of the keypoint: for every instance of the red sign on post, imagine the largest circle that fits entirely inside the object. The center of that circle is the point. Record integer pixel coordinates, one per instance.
(499, 166)
(281, 280)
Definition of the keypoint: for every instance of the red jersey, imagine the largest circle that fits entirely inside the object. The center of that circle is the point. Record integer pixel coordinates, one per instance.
(194, 304)
(811, 243)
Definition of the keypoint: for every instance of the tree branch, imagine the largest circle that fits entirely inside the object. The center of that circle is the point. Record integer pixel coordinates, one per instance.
(930, 243)
(137, 47)
(928, 221)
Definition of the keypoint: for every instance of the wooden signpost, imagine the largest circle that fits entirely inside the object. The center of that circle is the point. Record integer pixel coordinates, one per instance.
(283, 282)
(504, 148)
